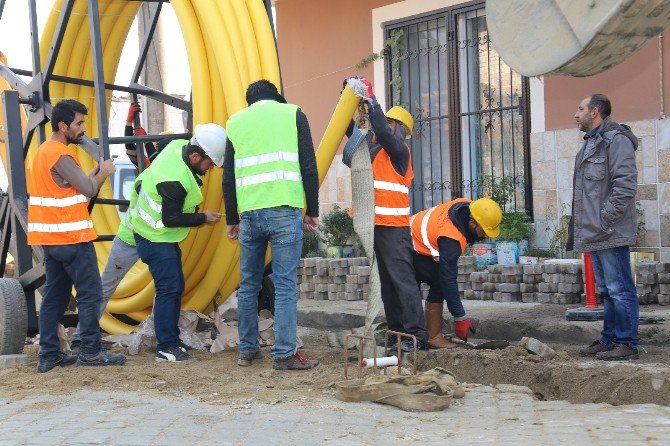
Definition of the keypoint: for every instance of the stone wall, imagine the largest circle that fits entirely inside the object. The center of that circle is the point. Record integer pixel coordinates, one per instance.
(552, 165)
(333, 279)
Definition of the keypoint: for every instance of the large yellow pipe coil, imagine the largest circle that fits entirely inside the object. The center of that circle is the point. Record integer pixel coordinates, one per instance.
(229, 45)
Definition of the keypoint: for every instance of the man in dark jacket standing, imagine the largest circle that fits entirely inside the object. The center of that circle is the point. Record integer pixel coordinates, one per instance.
(604, 223)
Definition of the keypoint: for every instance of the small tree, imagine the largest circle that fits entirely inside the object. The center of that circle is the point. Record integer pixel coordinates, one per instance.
(337, 228)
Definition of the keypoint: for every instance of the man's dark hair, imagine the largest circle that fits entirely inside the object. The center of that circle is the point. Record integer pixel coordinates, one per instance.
(191, 148)
(263, 88)
(600, 102)
(65, 111)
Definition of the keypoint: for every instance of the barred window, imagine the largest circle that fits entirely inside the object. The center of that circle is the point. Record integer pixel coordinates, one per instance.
(471, 113)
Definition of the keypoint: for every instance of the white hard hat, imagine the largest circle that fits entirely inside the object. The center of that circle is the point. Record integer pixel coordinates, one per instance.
(212, 139)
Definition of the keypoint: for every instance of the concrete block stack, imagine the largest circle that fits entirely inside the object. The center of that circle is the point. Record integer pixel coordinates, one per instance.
(466, 266)
(477, 280)
(333, 279)
(562, 283)
(646, 282)
(509, 287)
(663, 277)
(532, 277)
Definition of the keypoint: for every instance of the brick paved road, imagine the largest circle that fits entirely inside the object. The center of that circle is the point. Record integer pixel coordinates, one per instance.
(486, 416)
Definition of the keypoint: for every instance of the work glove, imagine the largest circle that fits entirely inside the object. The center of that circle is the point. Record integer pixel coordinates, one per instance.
(369, 92)
(139, 131)
(134, 108)
(462, 328)
(346, 81)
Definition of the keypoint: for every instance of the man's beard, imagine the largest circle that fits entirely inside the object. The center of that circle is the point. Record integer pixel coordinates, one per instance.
(76, 140)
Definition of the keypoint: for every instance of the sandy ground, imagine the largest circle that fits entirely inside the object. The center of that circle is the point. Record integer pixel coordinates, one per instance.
(217, 379)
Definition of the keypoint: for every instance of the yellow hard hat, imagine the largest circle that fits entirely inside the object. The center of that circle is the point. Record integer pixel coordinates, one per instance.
(488, 214)
(400, 114)
(167, 132)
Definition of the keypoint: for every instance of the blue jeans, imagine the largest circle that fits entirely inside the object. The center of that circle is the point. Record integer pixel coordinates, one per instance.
(282, 228)
(68, 265)
(122, 257)
(164, 262)
(614, 280)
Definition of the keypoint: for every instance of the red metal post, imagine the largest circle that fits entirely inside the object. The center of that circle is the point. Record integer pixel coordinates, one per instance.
(589, 282)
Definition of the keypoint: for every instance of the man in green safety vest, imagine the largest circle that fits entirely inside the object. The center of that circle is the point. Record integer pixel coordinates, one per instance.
(268, 174)
(163, 208)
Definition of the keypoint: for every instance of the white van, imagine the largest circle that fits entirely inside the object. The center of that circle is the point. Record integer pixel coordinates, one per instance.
(122, 181)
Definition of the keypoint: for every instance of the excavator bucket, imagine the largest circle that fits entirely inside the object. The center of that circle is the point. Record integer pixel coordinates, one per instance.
(572, 37)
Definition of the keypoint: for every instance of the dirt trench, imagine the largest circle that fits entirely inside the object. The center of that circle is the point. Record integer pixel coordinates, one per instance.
(217, 379)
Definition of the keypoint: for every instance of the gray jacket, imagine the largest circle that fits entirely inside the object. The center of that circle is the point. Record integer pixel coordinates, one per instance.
(604, 187)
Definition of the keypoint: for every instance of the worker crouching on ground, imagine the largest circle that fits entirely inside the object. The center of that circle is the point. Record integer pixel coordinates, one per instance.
(58, 219)
(269, 173)
(392, 173)
(163, 209)
(440, 235)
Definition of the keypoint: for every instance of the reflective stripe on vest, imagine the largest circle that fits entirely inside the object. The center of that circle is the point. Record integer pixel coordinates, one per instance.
(57, 202)
(393, 187)
(267, 164)
(268, 177)
(391, 211)
(424, 234)
(60, 227)
(266, 158)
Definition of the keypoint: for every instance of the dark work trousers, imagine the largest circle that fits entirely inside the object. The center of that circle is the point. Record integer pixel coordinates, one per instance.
(400, 292)
(428, 272)
(68, 265)
(164, 261)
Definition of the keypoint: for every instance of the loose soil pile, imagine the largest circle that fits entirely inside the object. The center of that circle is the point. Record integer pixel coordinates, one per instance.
(217, 379)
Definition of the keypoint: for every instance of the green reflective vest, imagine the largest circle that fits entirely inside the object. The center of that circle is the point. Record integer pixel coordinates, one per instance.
(147, 205)
(267, 168)
(125, 231)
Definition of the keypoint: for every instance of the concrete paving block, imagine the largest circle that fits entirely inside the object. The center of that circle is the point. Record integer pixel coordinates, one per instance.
(512, 270)
(506, 297)
(550, 268)
(663, 277)
(509, 288)
(321, 270)
(547, 287)
(527, 287)
(351, 287)
(309, 262)
(307, 295)
(664, 288)
(466, 260)
(543, 298)
(663, 299)
(476, 286)
(364, 270)
(339, 279)
(532, 269)
(567, 288)
(528, 297)
(462, 277)
(548, 278)
(304, 287)
(321, 295)
(12, 360)
(479, 277)
(487, 295)
(495, 278)
(353, 296)
(536, 347)
(531, 278)
(495, 269)
(571, 278)
(469, 295)
(321, 287)
(646, 278)
(490, 287)
(663, 267)
(570, 268)
(322, 263)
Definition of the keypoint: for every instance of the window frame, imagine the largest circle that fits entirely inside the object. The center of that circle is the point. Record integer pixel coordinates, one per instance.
(454, 112)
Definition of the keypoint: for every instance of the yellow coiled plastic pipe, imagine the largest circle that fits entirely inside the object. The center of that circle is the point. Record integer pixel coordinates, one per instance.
(229, 45)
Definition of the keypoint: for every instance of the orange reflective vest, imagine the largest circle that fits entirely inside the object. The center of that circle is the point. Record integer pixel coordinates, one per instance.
(391, 191)
(56, 215)
(429, 225)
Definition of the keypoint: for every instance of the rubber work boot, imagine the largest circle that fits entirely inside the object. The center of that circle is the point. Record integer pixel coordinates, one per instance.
(246, 358)
(594, 348)
(103, 357)
(61, 359)
(434, 325)
(620, 352)
(295, 362)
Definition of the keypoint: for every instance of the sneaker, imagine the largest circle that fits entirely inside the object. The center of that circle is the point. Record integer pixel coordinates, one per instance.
(407, 345)
(103, 357)
(620, 352)
(246, 358)
(392, 342)
(75, 348)
(172, 354)
(185, 347)
(61, 359)
(295, 362)
(594, 348)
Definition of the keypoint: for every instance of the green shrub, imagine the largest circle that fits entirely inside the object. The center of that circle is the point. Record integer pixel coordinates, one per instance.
(337, 228)
(515, 226)
(310, 243)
